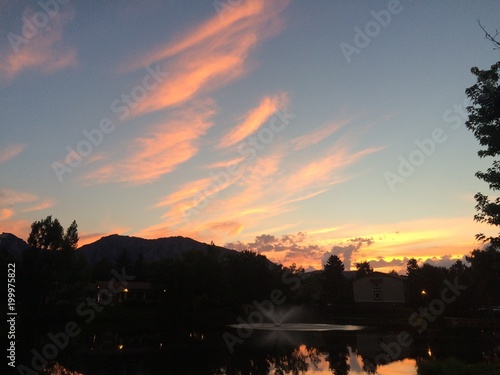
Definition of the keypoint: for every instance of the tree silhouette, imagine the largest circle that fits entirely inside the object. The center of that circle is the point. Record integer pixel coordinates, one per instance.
(492, 38)
(363, 269)
(46, 234)
(52, 271)
(484, 122)
(485, 267)
(334, 281)
(70, 240)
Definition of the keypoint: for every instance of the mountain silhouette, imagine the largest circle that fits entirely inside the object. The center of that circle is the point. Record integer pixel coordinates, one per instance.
(12, 244)
(111, 247)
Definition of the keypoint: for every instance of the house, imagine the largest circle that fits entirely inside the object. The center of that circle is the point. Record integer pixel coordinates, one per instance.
(380, 290)
(134, 291)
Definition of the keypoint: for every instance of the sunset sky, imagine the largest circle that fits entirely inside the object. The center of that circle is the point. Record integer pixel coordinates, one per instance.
(297, 129)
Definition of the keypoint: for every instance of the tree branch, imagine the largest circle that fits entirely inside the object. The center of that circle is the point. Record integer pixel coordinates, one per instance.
(488, 36)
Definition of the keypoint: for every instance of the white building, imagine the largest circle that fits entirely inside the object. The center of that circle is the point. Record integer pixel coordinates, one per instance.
(380, 290)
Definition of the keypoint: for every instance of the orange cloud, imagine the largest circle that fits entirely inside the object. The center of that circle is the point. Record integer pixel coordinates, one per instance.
(327, 170)
(187, 191)
(263, 190)
(43, 51)
(19, 228)
(254, 119)
(161, 150)
(318, 135)
(11, 151)
(46, 203)
(226, 227)
(211, 55)
(6, 213)
(9, 197)
(224, 163)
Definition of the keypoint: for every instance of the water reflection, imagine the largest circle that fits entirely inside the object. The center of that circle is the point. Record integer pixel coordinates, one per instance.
(269, 352)
(298, 327)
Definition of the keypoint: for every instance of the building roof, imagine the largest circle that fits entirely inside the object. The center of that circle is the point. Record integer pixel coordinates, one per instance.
(377, 274)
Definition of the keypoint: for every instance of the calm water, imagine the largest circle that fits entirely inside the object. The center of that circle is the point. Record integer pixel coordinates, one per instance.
(292, 349)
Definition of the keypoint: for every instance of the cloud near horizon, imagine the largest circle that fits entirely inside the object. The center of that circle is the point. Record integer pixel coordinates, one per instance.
(347, 251)
(264, 187)
(15, 202)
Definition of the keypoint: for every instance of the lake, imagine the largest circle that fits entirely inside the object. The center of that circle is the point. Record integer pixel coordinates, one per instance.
(267, 349)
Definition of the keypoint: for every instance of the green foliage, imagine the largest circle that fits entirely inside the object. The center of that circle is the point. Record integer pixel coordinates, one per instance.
(484, 122)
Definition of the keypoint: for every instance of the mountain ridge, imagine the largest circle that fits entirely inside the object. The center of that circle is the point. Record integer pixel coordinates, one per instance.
(112, 246)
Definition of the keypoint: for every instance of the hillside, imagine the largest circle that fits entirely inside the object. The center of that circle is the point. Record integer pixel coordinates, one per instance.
(12, 244)
(111, 247)
(153, 250)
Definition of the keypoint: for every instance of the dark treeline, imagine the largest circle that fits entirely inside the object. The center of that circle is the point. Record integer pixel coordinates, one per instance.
(52, 271)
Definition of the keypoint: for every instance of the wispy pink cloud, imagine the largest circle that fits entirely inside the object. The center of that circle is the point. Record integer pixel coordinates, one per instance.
(224, 163)
(43, 205)
(19, 228)
(210, 55)
(6, 213)
(11, 151)
(318, 134)
(10, 197)
(160, 150)
(254, 119)
(45, 51)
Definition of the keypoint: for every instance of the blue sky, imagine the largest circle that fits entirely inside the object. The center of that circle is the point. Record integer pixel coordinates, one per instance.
(246, 123)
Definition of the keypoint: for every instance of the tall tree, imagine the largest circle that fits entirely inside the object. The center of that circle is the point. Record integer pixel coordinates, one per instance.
(334, 281)
(484, 122)
(52, 270)
(71, 237)
(334, 265)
